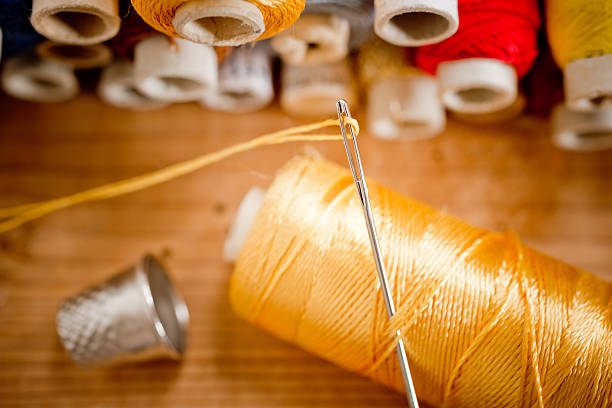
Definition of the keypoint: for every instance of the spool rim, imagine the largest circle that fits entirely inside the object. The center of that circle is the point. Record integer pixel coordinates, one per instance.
(196, 20)
(76, 56)
(588, 83)
(582, 131)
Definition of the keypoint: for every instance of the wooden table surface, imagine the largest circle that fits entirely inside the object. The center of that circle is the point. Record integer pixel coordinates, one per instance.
(498, 177)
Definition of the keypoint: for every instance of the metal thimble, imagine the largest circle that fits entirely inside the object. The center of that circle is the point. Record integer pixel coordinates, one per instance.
(135, 315)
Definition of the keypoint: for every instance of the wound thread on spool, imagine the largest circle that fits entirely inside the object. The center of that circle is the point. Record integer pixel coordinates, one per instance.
(582, 130)
(486, 321)
(312, 91)
(33, 79)
(18, 35)
(76, 56)
(81, 22)
(117, 88)
(403, 100)
(220, 22)
(174, 70)
(478, 68)
(412, 23)
(580, 36)
(245, 81)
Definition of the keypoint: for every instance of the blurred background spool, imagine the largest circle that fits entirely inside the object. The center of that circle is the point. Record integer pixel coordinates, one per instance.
(33, 79)
(325, 32)
(18, 35)
(117, 88)
(76, 56)
(582, 130)
(580, 35)
(174, 70)
(503, 115)
(478, 68)
(220, 22)
(403, 101)
(80, 22)
(133, 29)
(412, 23)
(245, 81)
(312, 91)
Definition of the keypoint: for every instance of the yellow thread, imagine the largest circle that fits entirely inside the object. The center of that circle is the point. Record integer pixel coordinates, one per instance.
(487, 321)
(28, 212)
(579, 29)
(277, 14)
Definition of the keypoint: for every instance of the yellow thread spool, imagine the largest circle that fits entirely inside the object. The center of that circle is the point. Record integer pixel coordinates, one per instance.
(487, 321)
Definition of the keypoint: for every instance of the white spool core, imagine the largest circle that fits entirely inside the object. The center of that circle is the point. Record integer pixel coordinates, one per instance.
(76, 21)
(117, 88)
(219, 22)
(405, 107)
(313, 91)
(582, 131)
(174, 70)
(477, 85)
(412, 23)
(76, 56)
(30, 78)
(314, 39)
(239, 230)
(588, 83)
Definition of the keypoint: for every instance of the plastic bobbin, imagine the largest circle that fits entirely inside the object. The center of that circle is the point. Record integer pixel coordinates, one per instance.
(405, 107)
(245, 82)
(76, 56)
(117, 88)
(411, 23)
(477, 85)
(219, 22)
(582, 131)
(33, 79)
(239, 230)
(588, 83)
(314, 39)
(314, 90)
(502, 115)
(76, 21)
(174, 70)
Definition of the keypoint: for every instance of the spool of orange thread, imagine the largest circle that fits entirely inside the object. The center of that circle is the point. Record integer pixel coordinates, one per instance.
(486, 321)
(220, 22)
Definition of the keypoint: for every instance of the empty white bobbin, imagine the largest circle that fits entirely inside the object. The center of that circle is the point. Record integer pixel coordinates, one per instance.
(117, 88)
(245, 82)
(405, 107)
(588, 83)
(76, 21)
(314, 39)
(174, 70)
(219, 22)
(582, 131)
(76, 56)
(247, 211)
(412, 23)
(31, 78)
(477, 85)
(312, 91)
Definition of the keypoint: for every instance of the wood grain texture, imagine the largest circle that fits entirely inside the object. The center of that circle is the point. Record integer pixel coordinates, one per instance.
(496, 177)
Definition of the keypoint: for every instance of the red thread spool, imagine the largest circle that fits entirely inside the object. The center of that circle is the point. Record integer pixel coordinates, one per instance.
(479, 66)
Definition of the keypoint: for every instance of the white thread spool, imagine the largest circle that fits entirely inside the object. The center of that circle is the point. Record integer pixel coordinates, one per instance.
(239, 230)
(582, 131)
(117, 88)
(312, 91)
(219, 22)
(405, 107)
(76, 56)
(588, 83)
(174, 70)
(412, 23)
(33, 79)
(314, 39)
(477, 85)
(245, 82)
(76, 21)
